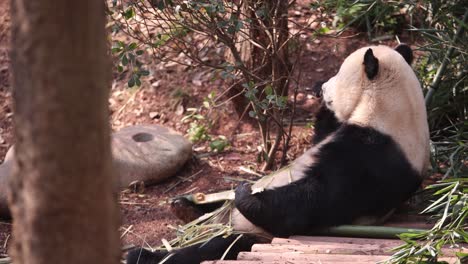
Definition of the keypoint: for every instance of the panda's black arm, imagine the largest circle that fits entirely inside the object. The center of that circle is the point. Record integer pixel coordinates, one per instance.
(283, 211)
(325, 124)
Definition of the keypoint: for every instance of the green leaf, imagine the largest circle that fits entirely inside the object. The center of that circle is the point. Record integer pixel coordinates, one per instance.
(124, 60)
(116, 49)
(269, 90)
(132, 46)
(219, 145)
(144, 72)
(131, 82)
(139, 52)
(129, 13)
(161, 4)
(131, 56)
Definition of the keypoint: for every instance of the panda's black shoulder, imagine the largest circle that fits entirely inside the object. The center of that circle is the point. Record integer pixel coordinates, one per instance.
(362, 136)
(364, 152)
(354, 142)
(325, 124)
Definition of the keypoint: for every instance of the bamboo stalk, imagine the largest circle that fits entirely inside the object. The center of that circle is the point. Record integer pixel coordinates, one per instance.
(367, 231)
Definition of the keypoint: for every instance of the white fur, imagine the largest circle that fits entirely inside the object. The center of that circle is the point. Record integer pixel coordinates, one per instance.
(291, 173)
(391, 103)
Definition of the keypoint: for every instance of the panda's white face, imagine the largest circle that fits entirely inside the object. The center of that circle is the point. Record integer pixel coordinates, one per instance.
(390, 102)
(343, 92)
(341, 95)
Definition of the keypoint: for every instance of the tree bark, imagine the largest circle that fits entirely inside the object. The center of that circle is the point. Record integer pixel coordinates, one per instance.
(62, 193)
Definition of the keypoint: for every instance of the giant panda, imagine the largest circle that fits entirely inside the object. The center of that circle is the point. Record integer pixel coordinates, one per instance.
(370, 152)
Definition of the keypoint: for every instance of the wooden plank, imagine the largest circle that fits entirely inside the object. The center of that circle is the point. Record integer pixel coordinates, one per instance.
(307, 240)
(384, 244)
(310, 258)
(258, 262)
(317, 258)
(327, 248)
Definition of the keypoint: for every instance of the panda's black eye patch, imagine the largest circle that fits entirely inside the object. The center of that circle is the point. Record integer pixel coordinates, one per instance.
(371, 64)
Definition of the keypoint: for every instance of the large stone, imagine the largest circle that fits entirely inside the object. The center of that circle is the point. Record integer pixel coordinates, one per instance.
(142, 153)
(148, 153)
(5, 169)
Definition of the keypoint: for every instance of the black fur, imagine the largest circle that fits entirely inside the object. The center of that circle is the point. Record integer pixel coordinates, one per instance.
(317, 89)
(211, 250)
(325, 124)
(406, 52)
(371, 64)
(362, 172)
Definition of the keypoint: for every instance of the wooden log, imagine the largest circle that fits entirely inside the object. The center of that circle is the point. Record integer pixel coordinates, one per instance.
(296, 258)
(258, 262)
(384, 244)
(325, 248)
(310, 258)
(307, 240)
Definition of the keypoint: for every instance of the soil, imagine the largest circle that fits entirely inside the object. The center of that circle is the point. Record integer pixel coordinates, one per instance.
(146, 216)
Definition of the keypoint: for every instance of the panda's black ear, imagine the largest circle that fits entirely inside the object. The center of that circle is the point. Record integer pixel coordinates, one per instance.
(406, 52)
(371, 64)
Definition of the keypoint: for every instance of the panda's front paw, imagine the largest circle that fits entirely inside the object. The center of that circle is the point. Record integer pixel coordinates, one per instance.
(247, 203)
(243, 191)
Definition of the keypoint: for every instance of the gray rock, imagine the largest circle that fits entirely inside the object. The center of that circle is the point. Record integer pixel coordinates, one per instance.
(148, 153)
(5, 169)
(142, 153)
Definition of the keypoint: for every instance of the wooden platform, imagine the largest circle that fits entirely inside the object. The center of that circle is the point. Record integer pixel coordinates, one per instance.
(322, 250)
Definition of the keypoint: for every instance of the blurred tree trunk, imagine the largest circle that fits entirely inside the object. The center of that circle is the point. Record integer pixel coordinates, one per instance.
(62, 193)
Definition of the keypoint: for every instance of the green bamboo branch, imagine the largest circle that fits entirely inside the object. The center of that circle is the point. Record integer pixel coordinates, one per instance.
(441, 70)
(367, 231)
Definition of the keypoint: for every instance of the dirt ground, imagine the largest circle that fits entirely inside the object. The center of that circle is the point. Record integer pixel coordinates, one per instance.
(146, 216)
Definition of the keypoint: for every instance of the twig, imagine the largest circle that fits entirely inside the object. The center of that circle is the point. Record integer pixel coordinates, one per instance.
(126, 231)
(247, 170)
(133, 203)
(181, 181)
(6, 241)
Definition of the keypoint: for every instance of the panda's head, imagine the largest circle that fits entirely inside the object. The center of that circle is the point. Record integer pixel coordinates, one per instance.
(368, 71)
(376, 87)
